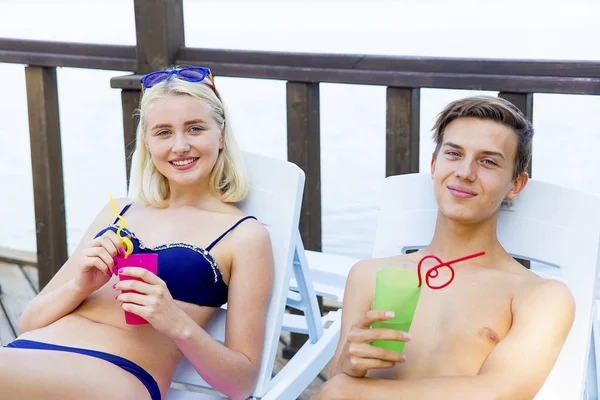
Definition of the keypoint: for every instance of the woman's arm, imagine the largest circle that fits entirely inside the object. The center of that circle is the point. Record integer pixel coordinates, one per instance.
(67, 289)
(232, 368)
(46, 308)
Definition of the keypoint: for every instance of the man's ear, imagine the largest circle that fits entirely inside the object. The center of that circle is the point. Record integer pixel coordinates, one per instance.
(518, 185)
(432, 164)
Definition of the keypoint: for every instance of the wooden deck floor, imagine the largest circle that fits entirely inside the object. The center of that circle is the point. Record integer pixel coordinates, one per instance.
(19, 283)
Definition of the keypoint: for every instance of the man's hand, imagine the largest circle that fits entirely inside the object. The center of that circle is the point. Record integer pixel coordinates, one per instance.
(338, 387)
(358, 356)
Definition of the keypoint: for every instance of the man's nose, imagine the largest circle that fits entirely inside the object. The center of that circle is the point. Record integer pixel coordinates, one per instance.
(465, 170)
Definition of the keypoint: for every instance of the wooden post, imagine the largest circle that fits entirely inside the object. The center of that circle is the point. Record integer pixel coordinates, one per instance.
(524, 102)
(46, 163)
(159, 33)
(159, 36)
(402, 131)
(129, 103)
(304, 149)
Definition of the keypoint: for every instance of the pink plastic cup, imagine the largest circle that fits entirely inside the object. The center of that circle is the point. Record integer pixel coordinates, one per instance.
(147, 261)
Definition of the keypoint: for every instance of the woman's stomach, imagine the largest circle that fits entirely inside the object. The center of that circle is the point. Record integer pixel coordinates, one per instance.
(99, 324)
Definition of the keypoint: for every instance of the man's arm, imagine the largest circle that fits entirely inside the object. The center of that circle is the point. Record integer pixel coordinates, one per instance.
(355, 355)
(357, 302)
(515, 369)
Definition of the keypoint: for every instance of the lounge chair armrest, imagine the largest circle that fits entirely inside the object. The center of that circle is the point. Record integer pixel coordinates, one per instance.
(307, 363)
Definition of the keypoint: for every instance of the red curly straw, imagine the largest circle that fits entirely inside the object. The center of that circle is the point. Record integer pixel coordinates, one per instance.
(433, 271)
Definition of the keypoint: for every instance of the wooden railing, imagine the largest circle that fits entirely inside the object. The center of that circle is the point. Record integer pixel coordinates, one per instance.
(160, 42)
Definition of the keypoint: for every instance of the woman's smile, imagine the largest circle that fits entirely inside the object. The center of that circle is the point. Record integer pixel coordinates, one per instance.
(182, 164)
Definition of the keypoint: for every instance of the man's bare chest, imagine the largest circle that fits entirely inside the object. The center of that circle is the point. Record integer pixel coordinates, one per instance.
(455, 328)
(462, 316)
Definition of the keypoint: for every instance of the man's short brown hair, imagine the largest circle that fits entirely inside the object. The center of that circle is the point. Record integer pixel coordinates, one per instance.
(494, 109)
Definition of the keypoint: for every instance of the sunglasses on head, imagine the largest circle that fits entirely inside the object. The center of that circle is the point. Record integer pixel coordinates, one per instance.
(192, 74)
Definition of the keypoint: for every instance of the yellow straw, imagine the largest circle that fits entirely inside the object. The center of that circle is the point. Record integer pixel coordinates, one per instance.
(124, 239)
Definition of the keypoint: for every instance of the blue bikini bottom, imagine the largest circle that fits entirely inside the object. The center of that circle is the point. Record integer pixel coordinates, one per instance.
(121, 362)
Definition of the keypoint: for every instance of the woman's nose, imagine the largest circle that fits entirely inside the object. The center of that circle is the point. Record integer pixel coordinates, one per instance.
(181, 144)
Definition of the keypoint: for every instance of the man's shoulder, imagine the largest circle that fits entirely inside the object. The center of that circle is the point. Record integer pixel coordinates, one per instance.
(361, 279)
(515, 278)
(370, 266)
(541, 294)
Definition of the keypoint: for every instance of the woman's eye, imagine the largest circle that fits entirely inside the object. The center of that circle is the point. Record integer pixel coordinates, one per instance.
(162, 133)
(196, 129)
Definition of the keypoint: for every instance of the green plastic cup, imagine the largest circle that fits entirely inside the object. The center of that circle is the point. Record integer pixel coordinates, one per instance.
(397, 290)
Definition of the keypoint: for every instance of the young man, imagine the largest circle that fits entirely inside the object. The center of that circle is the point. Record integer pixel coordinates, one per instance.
(496, 331)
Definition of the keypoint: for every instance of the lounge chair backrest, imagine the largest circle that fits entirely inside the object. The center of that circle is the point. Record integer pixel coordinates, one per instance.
(546, 223)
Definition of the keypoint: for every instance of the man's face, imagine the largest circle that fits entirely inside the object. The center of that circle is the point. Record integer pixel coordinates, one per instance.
(473, 170)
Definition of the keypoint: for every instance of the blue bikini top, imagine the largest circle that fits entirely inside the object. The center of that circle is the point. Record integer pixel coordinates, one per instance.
(190, 272)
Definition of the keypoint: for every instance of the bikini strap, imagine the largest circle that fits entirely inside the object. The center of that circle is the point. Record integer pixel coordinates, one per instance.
(210, 246)
(123, 211)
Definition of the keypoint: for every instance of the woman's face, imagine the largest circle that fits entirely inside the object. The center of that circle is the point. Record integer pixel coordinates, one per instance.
(183, 139)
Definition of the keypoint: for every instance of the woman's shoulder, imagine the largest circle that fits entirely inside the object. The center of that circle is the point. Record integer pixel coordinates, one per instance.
(249, 228)
(121, 203)
(108, 213)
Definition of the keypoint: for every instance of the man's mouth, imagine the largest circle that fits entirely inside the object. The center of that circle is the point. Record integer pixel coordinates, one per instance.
(461, 192)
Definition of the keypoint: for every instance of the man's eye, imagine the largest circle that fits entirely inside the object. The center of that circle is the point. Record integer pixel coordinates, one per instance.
(453, 153)
(489, 162)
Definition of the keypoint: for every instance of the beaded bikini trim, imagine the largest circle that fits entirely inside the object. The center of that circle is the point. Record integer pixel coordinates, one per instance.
(203, 252)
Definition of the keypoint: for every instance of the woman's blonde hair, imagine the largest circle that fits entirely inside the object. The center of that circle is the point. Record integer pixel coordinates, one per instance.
(228, 179)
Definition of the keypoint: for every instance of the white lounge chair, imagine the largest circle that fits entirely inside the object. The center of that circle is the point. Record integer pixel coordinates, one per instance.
(558, 229)
(328, 272)
(547, 224)
(275, 198)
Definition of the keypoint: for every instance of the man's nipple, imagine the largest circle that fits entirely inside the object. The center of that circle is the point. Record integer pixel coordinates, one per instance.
(490, 334)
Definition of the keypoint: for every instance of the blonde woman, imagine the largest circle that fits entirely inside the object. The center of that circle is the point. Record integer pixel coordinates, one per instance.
(187, 177)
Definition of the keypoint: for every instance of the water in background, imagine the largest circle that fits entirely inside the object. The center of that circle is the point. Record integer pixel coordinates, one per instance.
(352, 116)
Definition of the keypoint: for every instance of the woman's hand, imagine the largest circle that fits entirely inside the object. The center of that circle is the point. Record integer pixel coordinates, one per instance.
(153, 301)
(359, 356)
(96, 262)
